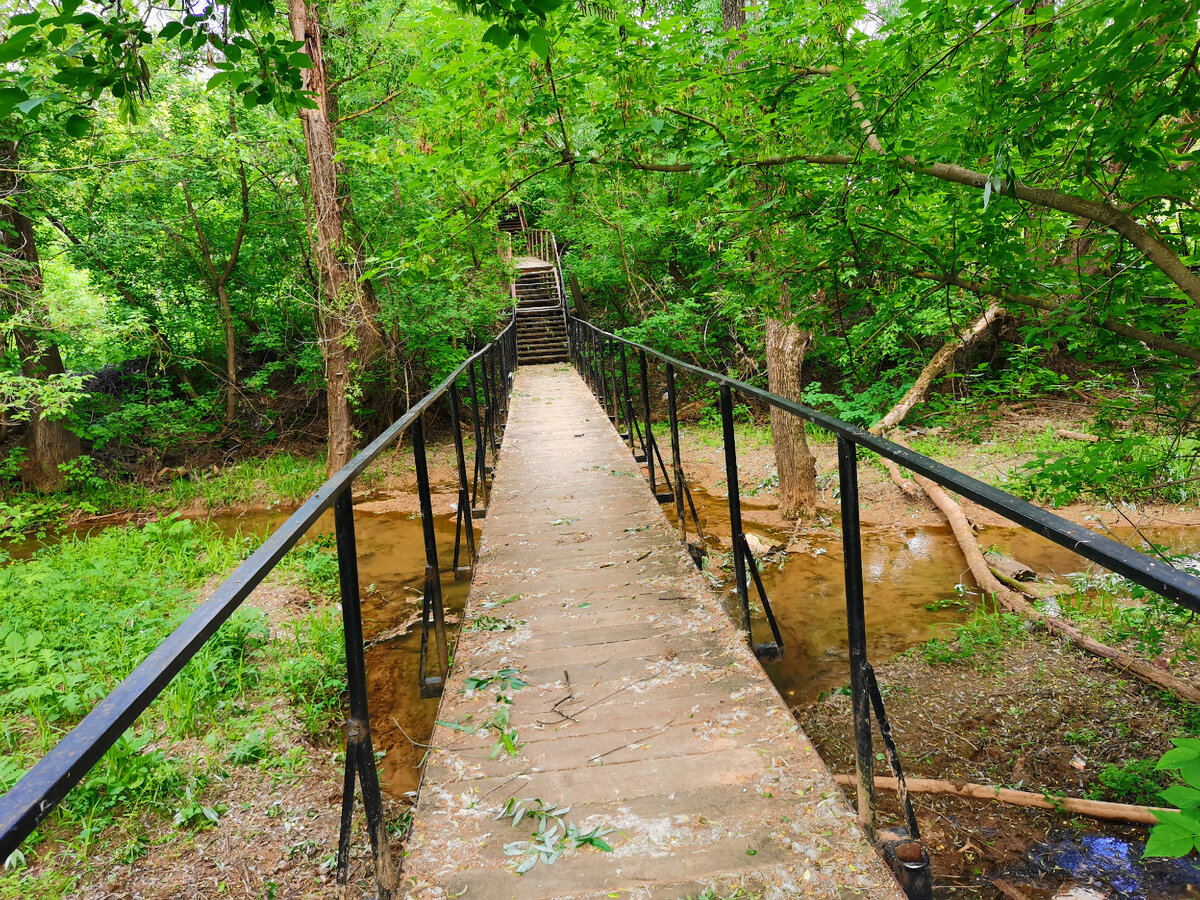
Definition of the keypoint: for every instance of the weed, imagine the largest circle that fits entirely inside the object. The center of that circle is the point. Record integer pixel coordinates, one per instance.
(492, 623)
(984, 634)
(311, 669)
(1134, 781)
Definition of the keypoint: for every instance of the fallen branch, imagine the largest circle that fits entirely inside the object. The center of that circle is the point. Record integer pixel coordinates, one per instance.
(1013, 596)
(1095, 809)
(936, 365)
(1068, 435)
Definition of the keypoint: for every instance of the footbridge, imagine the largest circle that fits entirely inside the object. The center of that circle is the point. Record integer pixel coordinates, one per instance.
(605, 727)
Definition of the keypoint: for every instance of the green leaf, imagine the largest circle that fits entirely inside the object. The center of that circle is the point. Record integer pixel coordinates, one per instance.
(300, 60)
(24, 19)
(31, 104)
(170, 30)
(498, 36)
(656, 125)
(1165, 840)
(15, 45)
(233, 53)
(76, 126)
(1181, 796)
(540, 43)
(1177, 758)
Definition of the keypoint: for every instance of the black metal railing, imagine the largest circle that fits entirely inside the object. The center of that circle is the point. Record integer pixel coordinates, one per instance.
(488, 374)
(602, 359)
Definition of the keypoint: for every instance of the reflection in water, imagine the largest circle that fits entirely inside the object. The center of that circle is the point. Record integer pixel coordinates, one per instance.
(910, 574)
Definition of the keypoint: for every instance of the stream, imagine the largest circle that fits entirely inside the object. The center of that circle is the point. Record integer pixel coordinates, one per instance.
(909, 573)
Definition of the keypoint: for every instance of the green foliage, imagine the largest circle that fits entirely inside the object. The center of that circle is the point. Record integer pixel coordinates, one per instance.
(315, 565)
(1136, 781)
(74, 620)
(1178, 833)
(1117, 467)
(310, 669)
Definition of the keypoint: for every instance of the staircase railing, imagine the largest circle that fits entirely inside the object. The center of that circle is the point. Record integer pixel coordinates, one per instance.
(488, 375)
(601, 358)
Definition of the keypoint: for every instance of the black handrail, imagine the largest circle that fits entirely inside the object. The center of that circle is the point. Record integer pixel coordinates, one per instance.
(591, 350)
(1158, 576)
(32, 798)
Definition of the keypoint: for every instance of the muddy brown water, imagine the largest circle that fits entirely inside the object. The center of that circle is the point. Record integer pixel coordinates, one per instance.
(910, 575)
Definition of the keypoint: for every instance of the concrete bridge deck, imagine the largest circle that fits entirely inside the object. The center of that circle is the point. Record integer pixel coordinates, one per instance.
(643, 708)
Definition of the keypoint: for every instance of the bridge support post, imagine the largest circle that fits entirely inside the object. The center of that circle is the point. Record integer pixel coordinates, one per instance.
(479, 486)
(676, 460)
(360, 756)
(857, 633)
(643, 374)
(465, 515)
(630, 418)
(735, 505)
(433, 616)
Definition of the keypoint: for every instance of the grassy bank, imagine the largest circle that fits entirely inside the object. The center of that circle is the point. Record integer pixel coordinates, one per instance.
(79, 616)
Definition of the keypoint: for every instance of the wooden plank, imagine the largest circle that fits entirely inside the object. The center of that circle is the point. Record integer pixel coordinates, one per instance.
(644, 709)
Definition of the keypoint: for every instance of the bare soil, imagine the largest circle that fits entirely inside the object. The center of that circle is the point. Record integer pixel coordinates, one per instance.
(1034, 714)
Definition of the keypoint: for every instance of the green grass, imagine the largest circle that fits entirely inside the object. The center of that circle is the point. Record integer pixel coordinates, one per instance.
(981, 638)
(78, 617)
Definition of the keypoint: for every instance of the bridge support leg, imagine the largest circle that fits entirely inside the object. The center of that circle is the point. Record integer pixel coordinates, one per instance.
(360, 756)
(737, 537)
(433, 615)
(465, 516)
(857, 633)
(676, 461)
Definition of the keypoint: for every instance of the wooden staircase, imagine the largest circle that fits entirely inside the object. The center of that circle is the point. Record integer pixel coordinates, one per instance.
(537, 292)
(541, 328)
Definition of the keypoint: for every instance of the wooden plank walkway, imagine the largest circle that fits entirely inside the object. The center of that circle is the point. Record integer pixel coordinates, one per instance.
(644, 709)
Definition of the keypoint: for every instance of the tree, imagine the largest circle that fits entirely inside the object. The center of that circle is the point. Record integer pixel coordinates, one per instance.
(346, 313)
(49, 443)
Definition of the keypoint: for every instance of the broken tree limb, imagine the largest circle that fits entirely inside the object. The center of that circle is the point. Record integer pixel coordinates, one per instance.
(1012, 596)
(920, 388)
(1069, 435)
(1095, 809)
(1116, 326)
(1017, 603)
(936, 365)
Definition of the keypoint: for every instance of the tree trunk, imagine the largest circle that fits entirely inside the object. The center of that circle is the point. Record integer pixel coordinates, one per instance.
(49, 444)
(786, 345)
(344, 314)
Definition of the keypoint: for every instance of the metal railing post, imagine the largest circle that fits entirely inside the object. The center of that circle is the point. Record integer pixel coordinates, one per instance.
(432, 612)
(490, 407)
(360, 756)
(465, 515)
(630, 419)
(735, 505)
(479, 485)
(676, 459)
(611, 375)
(857, 632)
(646, 419)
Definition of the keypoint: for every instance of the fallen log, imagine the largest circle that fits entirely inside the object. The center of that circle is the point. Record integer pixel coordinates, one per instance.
(1013, 596)
(1093, 809)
